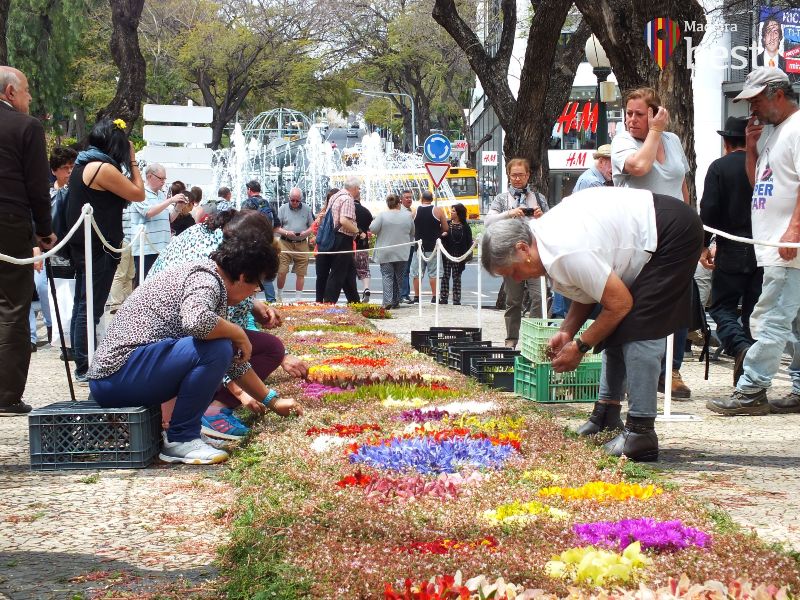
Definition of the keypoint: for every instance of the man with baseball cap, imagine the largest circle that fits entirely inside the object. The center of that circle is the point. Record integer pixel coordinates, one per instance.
(775, 215)
(598, 175)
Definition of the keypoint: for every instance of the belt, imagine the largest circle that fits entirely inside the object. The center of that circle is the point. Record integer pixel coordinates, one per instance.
(285, 239)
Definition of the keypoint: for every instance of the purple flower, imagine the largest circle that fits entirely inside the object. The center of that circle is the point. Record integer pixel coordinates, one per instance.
(655, 535)
(421, 416)
(318, 390)
(427, 455)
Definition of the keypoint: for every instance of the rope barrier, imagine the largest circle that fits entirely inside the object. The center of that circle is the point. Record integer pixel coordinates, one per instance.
(301, 252)
(752, 242)
(49, 253)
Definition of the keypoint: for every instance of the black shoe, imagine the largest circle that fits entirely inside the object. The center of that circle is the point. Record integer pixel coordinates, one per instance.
(638, 440)
(740, 403)
(49, 335)
(604, 416)
(69, 355)
(788, 404)
(15, 410)
(34, 347)
(433, 299)
(443, 301)
(406, 300)
(415, 300)
(365, 296)
(738, 364)
(456, 302)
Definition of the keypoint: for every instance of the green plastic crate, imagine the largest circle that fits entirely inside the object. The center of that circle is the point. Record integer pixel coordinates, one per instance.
(536, 333)
(541, 384)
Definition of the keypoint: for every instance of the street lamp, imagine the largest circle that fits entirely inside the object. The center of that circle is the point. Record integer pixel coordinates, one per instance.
(378, 94)
(602, 69)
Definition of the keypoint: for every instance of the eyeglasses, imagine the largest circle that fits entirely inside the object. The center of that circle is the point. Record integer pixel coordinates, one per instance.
(159, 178)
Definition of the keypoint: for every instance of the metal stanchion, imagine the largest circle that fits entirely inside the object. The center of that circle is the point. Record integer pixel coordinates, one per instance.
(480, 291)
(543, 291)
(668, 416)
(419, 276)
(438, 254)
(141, 254)
(88, 276)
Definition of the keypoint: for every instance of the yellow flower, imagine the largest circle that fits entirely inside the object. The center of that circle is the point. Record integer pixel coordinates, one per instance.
(390, 402)
(603, 491)
(523, 512)
(540, 476)
(597, 567)
(120, 124)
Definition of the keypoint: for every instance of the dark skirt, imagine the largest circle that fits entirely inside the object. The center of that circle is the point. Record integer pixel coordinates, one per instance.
(662, 293)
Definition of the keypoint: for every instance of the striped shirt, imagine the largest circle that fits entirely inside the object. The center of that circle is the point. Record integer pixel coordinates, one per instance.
(156, 227)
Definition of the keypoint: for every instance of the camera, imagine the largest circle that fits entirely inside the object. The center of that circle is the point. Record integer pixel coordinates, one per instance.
(528, 212)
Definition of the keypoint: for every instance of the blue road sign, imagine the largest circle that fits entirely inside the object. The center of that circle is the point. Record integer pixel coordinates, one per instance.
(437, 148)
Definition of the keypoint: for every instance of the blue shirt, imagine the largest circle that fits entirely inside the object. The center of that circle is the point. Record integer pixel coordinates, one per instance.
(589, 178)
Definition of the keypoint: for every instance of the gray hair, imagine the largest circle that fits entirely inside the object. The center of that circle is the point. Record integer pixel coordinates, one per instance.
(788, 90)
(8, 76)
(154, 168)
(500, 241)
(352, 182)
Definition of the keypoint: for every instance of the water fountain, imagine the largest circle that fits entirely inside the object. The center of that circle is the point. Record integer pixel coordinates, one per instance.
(281, 155)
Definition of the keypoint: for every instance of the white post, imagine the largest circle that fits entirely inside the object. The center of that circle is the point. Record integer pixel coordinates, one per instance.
(668, 376)
(543, 292)
(439, 257)
(419, 276)
(141, 254)
(480, 286)
(89, 274)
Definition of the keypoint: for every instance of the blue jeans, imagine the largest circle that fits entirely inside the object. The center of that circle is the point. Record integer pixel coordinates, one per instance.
(40, 281)
(633, 367)
(104, 266)
(269, 290)
(188, 368)
(560, 306)
(774, 323)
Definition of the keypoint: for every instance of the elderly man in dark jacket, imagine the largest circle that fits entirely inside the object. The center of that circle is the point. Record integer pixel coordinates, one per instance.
(24, 221)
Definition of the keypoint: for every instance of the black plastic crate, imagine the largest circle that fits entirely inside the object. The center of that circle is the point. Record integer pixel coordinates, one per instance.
(456, 351)
(83, 435)
(421, 340)
(469, 356)
(497, 373)
(438, 344)
(442, 353)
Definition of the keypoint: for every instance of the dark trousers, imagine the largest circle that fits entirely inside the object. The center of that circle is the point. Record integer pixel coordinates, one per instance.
(342, 274)
(149, 261)
(323, 269)
(454, 270)
(726, 290)
(268, 354)
(16, 292)
(188, 368)
(103, 268)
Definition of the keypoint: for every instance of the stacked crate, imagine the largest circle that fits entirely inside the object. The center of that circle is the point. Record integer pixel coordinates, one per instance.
(534, 378)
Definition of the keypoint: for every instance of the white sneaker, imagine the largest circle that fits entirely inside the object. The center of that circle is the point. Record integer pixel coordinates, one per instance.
(278, 295)
(194, 452)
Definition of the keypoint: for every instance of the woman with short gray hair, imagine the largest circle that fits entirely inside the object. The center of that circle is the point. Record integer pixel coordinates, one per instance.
(634, 253)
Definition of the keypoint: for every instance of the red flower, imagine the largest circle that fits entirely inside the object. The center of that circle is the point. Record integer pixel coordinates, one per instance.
(357, 479)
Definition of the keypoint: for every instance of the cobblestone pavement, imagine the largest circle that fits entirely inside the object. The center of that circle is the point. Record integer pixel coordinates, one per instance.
(76, 534)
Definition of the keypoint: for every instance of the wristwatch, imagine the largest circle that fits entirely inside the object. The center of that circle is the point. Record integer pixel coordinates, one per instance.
(583, 347)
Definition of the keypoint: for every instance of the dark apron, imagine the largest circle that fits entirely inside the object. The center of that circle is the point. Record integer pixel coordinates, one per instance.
(662, 292)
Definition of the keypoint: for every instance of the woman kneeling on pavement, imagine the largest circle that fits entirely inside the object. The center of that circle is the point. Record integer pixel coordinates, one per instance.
(171, 340)
(196, 243)
(633, 252)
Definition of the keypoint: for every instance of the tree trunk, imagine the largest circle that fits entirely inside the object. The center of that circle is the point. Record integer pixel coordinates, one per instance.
(5, 7)
(127, 103)
(618, 25)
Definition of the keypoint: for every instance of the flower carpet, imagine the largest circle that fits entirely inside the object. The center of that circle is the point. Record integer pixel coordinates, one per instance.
(406, 480)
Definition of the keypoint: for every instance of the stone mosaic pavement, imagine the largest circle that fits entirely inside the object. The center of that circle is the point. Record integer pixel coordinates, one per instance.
(77, 535)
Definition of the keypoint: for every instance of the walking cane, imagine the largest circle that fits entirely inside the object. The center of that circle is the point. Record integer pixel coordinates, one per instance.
(49, 272)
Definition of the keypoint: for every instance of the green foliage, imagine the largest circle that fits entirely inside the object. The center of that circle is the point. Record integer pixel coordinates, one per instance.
(381, 391)
(723, 523)
(44, 37)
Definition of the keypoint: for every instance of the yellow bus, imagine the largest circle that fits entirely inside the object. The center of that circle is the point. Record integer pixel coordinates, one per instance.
(460, 186)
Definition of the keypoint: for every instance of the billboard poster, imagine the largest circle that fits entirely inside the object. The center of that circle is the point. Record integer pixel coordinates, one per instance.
(779, 40)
